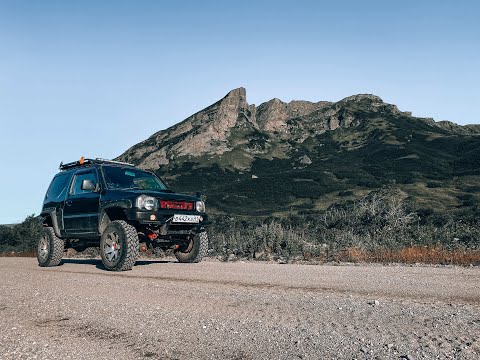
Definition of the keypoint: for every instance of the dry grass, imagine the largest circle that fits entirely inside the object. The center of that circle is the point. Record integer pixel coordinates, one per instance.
(412, 255)
(408, 255)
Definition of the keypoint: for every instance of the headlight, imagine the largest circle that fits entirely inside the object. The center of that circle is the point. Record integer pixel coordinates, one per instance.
(146, 202)
(200, 206)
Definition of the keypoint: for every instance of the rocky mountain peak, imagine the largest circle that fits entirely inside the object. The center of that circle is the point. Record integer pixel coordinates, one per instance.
(274, 114)
(368, 102)
(209, 131)
(236, 97)
(205, 132)
(363, 97)
(231, 125)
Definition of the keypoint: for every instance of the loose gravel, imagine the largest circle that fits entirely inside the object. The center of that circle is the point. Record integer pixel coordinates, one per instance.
(242, 310)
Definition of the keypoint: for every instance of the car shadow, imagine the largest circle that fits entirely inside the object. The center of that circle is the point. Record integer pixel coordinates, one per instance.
(98, 263)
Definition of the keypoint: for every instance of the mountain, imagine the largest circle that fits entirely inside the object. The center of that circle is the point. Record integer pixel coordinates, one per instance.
(303, 156)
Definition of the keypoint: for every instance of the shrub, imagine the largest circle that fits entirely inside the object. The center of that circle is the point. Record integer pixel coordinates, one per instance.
(21, 237)
(378, 227)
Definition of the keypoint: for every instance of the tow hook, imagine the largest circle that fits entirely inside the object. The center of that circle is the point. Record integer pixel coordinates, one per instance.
(152, 236)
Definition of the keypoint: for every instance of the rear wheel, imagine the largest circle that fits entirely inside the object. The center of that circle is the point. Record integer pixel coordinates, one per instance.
(195, 251)
(119, 246)
(49, 248)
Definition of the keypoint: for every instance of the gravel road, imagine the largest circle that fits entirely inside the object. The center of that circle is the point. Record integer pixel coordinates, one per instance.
(251, 310)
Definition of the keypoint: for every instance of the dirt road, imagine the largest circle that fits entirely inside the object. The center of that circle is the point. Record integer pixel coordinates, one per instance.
(166, 310)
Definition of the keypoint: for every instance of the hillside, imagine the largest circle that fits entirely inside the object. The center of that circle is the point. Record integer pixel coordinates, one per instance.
(301, 157)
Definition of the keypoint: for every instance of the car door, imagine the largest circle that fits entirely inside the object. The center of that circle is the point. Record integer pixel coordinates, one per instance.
(80, 213)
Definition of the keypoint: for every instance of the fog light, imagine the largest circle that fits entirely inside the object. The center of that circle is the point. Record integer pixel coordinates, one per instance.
(153, 217)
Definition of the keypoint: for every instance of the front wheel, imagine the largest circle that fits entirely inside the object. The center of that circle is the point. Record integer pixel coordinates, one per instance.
(49, 248)
(119, 246)
(195, 250)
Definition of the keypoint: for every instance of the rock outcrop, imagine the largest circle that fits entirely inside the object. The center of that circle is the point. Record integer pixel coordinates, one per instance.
(273, 115)
(452, 127)
(205, 132)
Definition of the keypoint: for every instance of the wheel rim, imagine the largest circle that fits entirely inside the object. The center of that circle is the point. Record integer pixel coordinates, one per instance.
(188, 248)
(43, 248)
(112, 247)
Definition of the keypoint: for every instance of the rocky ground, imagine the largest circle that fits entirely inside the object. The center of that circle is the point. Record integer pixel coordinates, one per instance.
(166, 310)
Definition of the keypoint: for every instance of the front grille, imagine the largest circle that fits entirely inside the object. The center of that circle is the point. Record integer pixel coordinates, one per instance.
(176, 205)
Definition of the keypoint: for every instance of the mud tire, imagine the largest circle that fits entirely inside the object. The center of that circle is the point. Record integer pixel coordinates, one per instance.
(126, 236)
(196, 251)
(50, 248)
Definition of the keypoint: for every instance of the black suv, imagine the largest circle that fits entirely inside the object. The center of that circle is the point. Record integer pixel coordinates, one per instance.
(122, 209)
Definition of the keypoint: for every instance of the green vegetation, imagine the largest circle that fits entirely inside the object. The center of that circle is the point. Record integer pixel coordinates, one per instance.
(428, 163)
(20, 238)
(379, 223)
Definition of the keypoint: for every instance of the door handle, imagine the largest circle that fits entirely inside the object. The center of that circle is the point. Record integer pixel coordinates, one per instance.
(69, 202)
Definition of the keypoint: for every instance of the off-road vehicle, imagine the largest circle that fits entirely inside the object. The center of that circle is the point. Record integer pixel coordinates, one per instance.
(121, 209)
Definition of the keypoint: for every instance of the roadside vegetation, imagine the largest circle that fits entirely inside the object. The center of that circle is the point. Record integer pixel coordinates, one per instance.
(380, 227)
(20, 239)
(383, 226)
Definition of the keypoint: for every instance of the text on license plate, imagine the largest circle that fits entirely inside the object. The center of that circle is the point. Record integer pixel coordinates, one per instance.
(179, 218)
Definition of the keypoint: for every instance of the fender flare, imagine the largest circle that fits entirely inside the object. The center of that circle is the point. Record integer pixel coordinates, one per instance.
(103, 217)
(52, 214)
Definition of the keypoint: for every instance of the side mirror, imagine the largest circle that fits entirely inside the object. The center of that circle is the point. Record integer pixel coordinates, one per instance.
(88, 185)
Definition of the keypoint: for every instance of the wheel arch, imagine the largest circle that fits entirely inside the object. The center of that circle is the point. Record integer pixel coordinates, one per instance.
(49, 219)
(112, 212)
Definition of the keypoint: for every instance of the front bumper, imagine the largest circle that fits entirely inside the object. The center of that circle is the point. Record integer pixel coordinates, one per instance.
(162, 217)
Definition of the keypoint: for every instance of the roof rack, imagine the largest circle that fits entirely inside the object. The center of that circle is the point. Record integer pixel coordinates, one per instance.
(100, 160)
(86, 162)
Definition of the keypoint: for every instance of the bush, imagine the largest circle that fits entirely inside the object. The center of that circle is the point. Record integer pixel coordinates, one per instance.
(381, 221)
(22, 237)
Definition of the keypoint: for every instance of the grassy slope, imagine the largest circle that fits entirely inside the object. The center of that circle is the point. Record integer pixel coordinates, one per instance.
(435, 167)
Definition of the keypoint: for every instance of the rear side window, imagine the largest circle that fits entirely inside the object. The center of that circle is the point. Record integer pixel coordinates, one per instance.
(77, 185)
(58, 187)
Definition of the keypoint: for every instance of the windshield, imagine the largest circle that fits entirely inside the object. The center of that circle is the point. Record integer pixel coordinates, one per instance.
(130, 178)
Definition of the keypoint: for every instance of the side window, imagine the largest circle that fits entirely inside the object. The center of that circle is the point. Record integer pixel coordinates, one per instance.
(77, 183)
(58, 187)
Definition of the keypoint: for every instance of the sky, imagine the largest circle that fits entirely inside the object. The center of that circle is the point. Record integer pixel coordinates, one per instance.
(92, 78)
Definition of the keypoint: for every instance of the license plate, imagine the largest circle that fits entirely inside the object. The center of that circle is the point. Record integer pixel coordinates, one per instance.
(191, 219)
